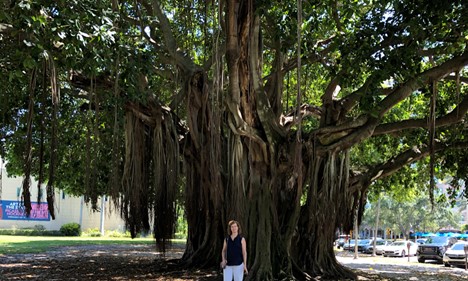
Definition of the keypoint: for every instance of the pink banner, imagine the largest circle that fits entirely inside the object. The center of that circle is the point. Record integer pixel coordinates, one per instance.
(14, 210)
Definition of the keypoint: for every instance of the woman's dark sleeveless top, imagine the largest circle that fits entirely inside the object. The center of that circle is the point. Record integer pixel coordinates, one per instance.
(234, 250)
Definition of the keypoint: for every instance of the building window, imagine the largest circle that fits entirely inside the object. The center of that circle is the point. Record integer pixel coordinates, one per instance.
(63, 194)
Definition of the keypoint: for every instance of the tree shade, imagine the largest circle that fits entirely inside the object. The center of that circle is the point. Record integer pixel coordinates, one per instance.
(279, 114)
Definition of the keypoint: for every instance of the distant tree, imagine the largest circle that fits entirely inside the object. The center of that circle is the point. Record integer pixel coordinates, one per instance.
(464, 228)
(413, 213)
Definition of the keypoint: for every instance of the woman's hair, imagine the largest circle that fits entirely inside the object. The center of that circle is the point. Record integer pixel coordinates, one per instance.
(231, 223)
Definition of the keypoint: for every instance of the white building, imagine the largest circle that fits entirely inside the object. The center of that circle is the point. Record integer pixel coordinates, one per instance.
(67, 209)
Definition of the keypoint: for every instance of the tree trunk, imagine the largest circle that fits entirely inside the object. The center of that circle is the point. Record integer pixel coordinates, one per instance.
(202, 152)
(328, 190)
(258, 181)
(259, 225)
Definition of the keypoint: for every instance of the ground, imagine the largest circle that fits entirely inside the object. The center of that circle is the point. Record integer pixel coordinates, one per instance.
(143, 262)
(100, 262)
(400, 268)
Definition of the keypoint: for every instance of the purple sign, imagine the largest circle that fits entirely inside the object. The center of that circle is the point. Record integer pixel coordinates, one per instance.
(14, 210)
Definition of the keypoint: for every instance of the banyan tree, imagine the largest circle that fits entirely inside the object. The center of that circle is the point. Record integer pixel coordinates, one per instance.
(279, 114)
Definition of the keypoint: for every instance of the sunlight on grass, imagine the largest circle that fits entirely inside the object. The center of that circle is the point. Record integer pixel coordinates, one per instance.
(37, 244)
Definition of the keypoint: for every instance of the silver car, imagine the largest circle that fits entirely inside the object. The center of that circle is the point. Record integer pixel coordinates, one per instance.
(379, 247)
(349, 246)
(400, 249)
(455, 255)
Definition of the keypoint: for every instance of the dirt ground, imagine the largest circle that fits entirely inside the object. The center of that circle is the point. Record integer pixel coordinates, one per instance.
(104, 262)
(117, 262)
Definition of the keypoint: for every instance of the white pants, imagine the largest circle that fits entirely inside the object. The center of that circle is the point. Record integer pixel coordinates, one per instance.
(233, 271)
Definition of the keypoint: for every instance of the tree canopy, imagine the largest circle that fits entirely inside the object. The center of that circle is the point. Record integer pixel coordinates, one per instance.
(279, 114)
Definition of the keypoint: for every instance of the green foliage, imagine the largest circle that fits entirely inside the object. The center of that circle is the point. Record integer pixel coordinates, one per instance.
(30, 232)
(24, 245)
(95, 40)
(71, 229)
(92, 232)
(181, 227)
(117, 234)
(464, 228)
(95, 232)
(411, 212)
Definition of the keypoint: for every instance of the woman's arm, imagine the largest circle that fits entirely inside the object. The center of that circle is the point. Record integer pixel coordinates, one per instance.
(244, 254)
(223, 253)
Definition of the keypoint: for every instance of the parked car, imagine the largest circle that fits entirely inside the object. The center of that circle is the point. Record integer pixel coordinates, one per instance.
(341, 241)
(349, 246)
(363, 244)
(421, 241)
(455, 255)
(434, 248)
(400, 249)
(379, 247)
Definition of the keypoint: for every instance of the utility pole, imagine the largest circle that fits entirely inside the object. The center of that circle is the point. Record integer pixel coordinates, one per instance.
(376, 228)
(356, 231)
(103, 212)
(81, 211)
(466, 212)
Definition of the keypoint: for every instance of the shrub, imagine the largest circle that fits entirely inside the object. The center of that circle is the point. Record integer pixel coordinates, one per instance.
(52, 233)
(39, 227)
(92, 232)
(71, 229)
(464, 227)
(30, 232)
(117, 234)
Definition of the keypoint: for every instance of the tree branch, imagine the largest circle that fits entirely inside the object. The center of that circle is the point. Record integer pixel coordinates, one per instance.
(395, 163)
(410, 156)
(348, 102)
(327, 97)
(305, 111)
(455, 116)
(346, 138)
(264, 111)
(335, 15)
(183, 61)
(141, 113)
(80, 81)
(291, 63)
(454, 78)
(398, 94)
(424, 78)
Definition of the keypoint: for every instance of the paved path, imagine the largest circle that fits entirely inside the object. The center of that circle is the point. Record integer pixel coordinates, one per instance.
(402, 269)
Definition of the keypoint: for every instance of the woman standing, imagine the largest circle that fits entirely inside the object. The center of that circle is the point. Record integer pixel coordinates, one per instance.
(234, 254)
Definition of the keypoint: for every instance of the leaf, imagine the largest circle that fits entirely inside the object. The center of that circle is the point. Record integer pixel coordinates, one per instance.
(28, 43)
(29, 63)
(83, 34)
(24, 4)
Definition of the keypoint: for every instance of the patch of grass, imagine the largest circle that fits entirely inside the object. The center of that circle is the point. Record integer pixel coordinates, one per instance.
(27, 244)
